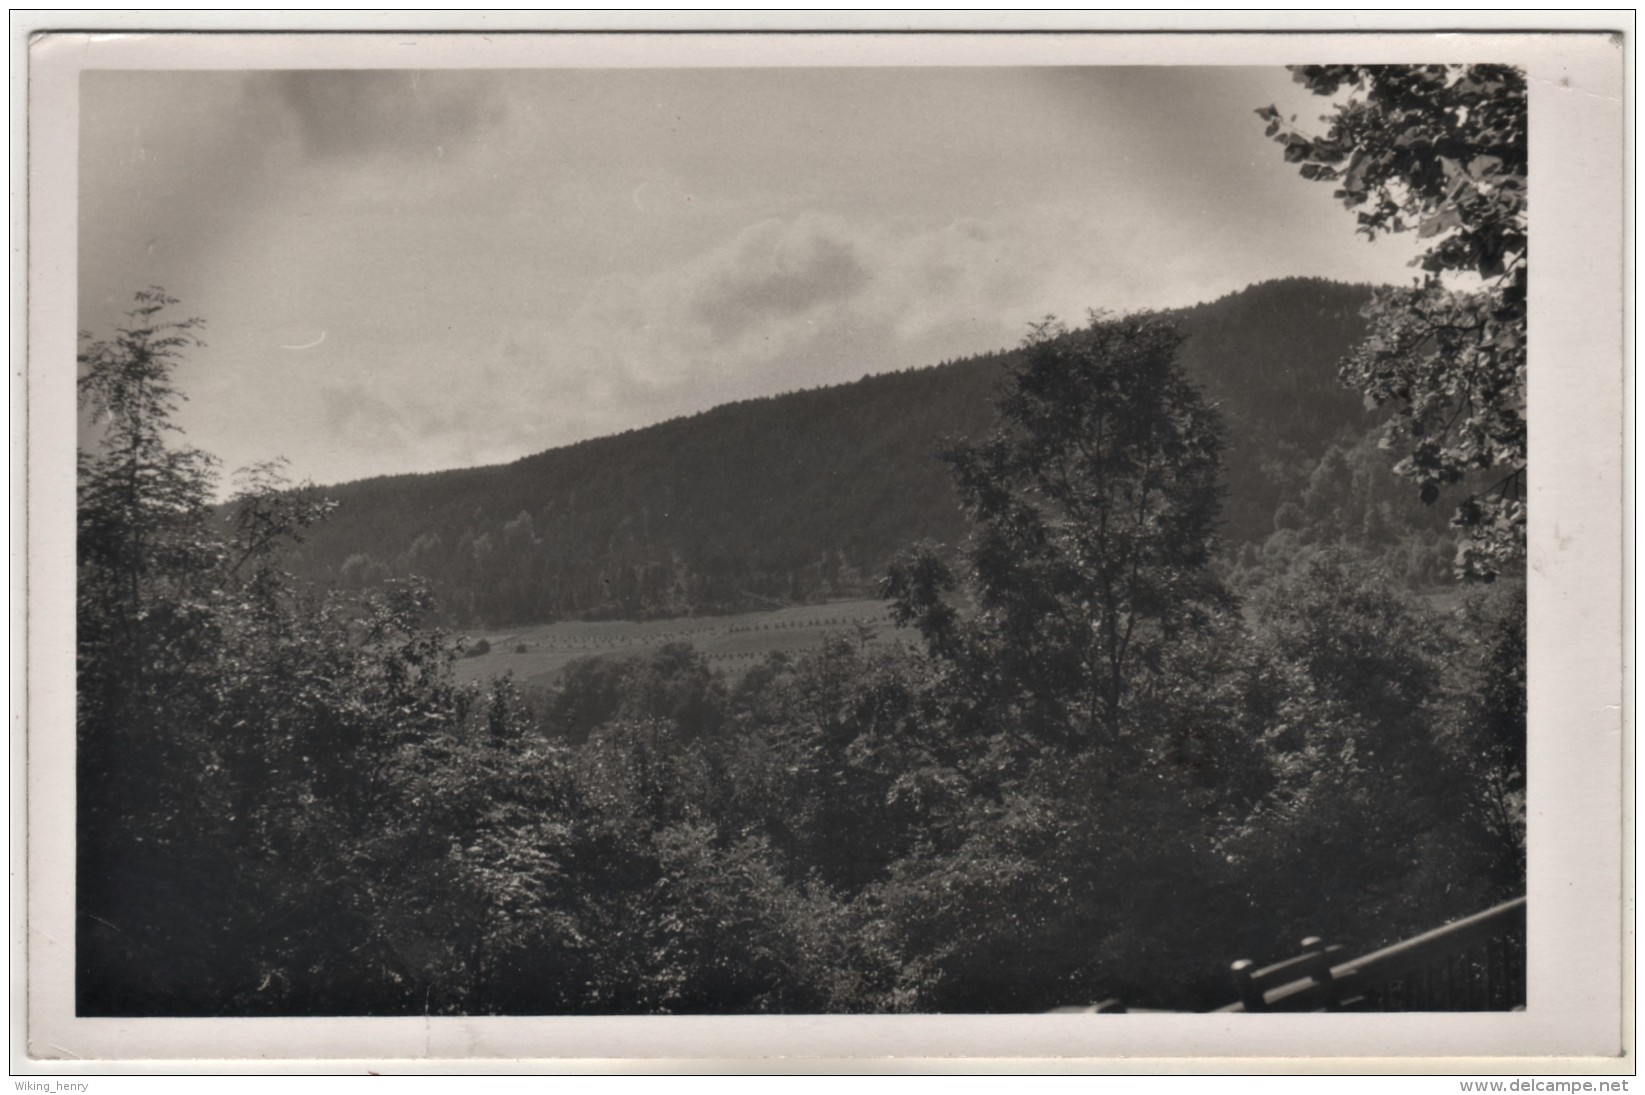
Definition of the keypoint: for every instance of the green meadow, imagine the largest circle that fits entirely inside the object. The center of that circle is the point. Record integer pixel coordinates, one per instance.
(731, 643)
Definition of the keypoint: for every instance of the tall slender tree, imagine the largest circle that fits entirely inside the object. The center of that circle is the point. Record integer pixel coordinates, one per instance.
(1094, 508)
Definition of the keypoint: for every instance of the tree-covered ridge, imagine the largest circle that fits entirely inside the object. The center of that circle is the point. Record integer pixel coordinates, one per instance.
(808, 496)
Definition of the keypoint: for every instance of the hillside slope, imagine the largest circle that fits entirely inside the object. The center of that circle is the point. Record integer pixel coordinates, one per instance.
(807, 495)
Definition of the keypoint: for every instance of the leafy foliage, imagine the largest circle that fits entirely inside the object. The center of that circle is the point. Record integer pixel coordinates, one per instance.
(1348, 500)
(1367, 830)
(1440, 150)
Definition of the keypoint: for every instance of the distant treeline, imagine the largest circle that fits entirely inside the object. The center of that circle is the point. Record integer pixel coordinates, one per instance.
(806, 496)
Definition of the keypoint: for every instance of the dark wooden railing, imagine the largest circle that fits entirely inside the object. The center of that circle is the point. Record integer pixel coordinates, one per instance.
(1473, 964)
(1306, 982)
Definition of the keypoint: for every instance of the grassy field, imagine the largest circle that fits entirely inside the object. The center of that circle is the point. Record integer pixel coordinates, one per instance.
(732, 643)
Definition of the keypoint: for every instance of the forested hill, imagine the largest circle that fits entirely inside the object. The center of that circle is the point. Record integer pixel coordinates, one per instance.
(808, 495)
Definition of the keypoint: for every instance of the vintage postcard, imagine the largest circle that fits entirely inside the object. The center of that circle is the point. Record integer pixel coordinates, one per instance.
(555, 546)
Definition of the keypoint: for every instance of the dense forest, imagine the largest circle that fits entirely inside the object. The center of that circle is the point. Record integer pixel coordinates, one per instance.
(807, 496)
(1194, 665)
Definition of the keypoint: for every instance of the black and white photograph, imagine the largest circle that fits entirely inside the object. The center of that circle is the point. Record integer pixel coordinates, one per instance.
(640, 531)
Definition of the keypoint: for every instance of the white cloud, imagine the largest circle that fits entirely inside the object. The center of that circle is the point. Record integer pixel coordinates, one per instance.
(506, 262)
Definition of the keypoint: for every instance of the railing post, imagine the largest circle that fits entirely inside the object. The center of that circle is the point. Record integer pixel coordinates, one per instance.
(1249, 994)
(1322, 973)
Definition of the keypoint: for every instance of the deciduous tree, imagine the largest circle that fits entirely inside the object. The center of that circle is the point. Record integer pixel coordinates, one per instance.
(1094, 508)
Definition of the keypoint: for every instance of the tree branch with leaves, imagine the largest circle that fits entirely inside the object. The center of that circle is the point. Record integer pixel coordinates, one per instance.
(1439, 150)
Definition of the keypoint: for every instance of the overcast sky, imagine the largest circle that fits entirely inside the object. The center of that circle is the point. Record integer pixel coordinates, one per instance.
(408, 271)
